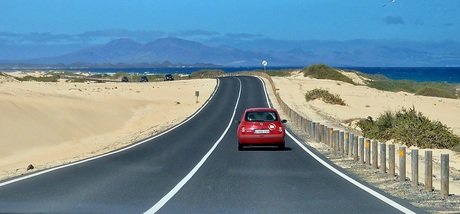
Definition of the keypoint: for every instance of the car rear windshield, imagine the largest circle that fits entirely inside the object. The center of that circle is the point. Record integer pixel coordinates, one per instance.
(261, 116)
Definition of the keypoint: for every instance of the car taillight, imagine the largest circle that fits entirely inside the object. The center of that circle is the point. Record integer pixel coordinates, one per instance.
(280, 129)
(243, 130)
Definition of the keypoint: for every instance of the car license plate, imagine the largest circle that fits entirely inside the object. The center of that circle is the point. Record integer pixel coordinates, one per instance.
(262, 131)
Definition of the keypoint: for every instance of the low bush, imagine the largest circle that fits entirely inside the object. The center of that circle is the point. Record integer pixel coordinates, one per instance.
(374, 77)
(394, 85)
(52, 78)
(280, 73)
(435, 92)
(411, 128)
(322, 71)
(432, 89)
(206, 73)
(324, 95)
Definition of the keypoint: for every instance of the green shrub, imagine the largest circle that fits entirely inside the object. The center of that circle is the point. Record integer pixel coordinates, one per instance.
(394, 85)
(375, 77)
(280, 73)
(434, 89)
(411, 128)
(206, 73)
(322, 71)
(324, 95)
(52, 78)
(434, 92)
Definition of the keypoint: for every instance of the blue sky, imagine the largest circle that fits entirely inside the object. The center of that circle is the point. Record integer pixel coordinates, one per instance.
(67, 20)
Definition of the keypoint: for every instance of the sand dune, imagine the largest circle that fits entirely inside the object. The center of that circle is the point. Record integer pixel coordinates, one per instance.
(47, 124)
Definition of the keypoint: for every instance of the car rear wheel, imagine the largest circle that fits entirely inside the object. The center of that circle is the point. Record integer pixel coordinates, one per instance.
(282, 146)
(240, 147)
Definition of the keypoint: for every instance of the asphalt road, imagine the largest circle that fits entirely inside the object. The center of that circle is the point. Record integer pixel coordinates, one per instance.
(197, 168)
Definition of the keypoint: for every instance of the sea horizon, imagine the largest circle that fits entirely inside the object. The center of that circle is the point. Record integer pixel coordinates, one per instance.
(418, 74)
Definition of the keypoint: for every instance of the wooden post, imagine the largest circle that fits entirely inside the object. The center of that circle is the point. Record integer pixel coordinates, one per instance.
(361, 150)
(429, 171)
(331, 132)
(333, 139)
(318, 131)
(336, 140)
(314, 130)
(383, 157)
(444, 175)
(355, 149)
(346, 143)
(341, 142)
(375, 155)
(402, 163)
(368, 151)
(325, 130)
(307, 125)
(321, 133)
(414, 167)
(301, 123)
(391, 159)
(351, 138)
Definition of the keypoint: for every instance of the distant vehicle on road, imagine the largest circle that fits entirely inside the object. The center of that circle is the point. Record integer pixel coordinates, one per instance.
(169, 77)
(143, 79)
(261, 127)
(124, 79)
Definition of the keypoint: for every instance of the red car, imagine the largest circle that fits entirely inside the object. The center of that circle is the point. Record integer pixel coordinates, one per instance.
(261, 127)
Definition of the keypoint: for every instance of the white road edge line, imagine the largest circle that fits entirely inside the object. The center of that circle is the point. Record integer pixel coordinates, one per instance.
(114, 152)
(351, 180)
(176, 189)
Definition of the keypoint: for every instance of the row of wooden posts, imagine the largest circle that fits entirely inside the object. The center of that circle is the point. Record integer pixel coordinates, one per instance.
(366, 151)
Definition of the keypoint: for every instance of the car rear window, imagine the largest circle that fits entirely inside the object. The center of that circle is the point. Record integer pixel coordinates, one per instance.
(261, 116)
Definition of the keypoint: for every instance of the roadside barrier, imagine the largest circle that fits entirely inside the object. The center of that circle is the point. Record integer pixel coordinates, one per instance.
(363, 150)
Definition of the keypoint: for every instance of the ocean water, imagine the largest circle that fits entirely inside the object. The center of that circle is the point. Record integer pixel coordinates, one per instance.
(419, 74)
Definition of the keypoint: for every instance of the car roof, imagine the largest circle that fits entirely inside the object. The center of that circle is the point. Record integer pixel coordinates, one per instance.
(260, 109)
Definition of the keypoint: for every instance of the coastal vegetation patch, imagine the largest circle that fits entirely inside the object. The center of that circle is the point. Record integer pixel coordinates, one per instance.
(322, 71)
(325, 96)
(48, 78)
(432, 89)
(205, 73)
(280, 73)
(411, 128)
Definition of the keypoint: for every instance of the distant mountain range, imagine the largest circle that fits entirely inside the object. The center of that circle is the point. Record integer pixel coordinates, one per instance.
(172, 50)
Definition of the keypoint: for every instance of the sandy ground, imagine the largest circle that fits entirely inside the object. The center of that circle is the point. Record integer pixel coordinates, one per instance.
(49, 124)
(362, 102)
